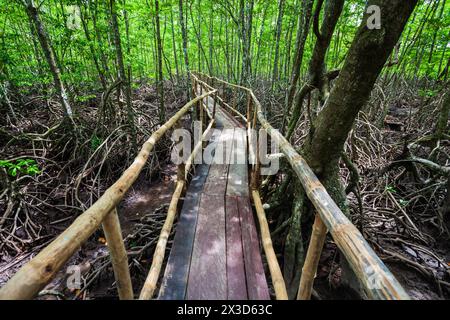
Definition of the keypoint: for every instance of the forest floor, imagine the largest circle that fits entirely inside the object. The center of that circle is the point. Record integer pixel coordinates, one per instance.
(414, 251)
(400, 214)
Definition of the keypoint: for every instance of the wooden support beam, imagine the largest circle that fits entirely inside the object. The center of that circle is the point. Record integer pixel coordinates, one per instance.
(376, 279)
(37, 273)
(158, 258)
(274, 268)
(197, 148)
(318, 236)
(118, 255)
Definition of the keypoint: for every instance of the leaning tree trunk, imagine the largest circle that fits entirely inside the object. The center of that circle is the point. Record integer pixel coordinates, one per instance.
(367, 55)
(317, 76)
(293, 250)
(47, 48)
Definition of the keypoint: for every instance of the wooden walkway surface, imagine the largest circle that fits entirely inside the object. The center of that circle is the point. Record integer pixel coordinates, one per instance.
(216, 253)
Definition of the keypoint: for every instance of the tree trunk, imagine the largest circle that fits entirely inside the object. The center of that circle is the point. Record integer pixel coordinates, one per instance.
(246, 21)
(367, 55)
(302, 34)
(324, 145)
(46, 45)
(160, 85)
(91, 48)
(174, 47)
(275, 75)
(183, 23)
(317, 70)
(121, 69)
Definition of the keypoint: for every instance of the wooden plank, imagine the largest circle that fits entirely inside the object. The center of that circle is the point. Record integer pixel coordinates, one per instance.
(36, 274)
(237, 288)
(208, 274)
(216, 183)
(238, 180)
(174, 283)
(256, 279)
(238, 172)
(227, 119)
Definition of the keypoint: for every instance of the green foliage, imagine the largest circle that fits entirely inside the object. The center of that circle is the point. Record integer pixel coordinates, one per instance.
(424, 46)
(390, 189)
(95, 142)
(403, 203)
(428, 93)
(85, 98)
(22, 166)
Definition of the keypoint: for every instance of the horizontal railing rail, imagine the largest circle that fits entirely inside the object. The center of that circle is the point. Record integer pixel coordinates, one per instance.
(274, 267)
(38, 272)
(376, 279)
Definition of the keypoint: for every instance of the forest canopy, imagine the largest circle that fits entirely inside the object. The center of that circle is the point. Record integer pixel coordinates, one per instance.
(81, 30)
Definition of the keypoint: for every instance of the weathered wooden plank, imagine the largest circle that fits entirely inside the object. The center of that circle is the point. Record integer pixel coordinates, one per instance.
(256, 279)
(237, 288)
(175, 279)
(238, 172)
(216, 183)
(208, 274)
(36, 274)
(238, 180)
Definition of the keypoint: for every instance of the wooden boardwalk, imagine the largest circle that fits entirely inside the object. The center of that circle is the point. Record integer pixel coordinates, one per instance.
(216, 253)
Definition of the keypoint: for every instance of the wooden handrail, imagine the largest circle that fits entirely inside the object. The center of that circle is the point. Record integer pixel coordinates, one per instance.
(37, 273)
(277, 277)
(376, 279)
(149, 287)
(222, 102)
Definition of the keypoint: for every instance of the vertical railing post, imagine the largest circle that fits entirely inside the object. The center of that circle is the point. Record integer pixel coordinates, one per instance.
(318, 236)
(181, 169)
(223, 91)
(200, 104)
(118, 255)
(215, 105)
(250, 131)
(249, 110)
(194, 95)
(233, 103)
(255, 183)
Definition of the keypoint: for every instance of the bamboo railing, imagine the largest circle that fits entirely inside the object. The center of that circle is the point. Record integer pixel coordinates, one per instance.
(150, 284)
(37, 273)
(376, 279)
(274, 267)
